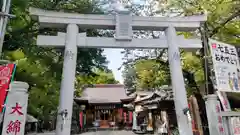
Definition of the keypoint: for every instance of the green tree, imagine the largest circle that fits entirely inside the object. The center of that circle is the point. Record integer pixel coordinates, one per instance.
(41, 67)
(222, 24)
(100, 77)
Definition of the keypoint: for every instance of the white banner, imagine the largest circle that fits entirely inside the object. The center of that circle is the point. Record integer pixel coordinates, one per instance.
(225, 64)
(16, 111)
(220, 120)
(224, 101)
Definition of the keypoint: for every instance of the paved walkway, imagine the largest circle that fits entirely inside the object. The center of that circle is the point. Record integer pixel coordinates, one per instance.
(97, 133)
(109, 133)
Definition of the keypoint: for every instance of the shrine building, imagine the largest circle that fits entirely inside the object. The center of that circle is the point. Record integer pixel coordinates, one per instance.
(102, 106)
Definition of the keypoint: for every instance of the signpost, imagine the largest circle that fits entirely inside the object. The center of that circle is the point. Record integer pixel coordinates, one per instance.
(16, 109)
(226, 66)
(124, 24)
(227, 74)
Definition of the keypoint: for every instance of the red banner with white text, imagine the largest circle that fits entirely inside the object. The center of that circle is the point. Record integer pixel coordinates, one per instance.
(5, 78)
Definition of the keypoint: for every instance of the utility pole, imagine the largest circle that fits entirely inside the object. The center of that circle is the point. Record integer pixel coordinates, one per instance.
(4, 15)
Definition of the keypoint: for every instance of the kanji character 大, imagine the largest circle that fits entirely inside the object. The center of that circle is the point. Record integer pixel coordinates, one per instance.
(17, 109)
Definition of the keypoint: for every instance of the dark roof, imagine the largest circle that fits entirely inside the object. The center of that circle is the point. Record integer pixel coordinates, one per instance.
(157, 96)
(104, 93)
(31, 119)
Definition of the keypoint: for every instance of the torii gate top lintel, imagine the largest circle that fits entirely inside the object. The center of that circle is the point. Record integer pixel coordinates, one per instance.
(55, 19)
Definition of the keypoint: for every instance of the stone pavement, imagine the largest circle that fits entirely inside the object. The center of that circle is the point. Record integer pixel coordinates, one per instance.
(97, 133)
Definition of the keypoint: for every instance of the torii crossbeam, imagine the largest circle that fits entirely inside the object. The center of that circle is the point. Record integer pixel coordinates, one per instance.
(102, 42)
(124, 23)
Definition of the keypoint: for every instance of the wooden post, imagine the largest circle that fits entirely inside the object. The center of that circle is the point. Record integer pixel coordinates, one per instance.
(195, 114)
(94, 114)
(191, 112)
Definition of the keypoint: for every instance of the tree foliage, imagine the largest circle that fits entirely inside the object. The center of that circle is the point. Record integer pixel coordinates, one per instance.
(222, 24)
(41, 67)
(100, 77)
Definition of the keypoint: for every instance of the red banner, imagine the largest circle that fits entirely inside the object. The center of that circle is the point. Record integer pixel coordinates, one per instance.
(130, 117)
(5, 78)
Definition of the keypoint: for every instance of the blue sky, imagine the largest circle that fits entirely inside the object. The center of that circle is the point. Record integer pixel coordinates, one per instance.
(114, 57)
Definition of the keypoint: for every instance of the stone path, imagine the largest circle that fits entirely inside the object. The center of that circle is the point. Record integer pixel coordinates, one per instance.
(97, 133)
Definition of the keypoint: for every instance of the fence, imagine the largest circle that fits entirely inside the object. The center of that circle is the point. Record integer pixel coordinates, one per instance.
(221, 123)
(231, 122)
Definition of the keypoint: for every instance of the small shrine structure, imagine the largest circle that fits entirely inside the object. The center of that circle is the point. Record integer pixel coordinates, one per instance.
(152, 105)
(102, 106)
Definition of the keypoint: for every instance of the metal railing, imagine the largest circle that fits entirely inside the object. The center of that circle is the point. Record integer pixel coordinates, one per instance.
(226, 116)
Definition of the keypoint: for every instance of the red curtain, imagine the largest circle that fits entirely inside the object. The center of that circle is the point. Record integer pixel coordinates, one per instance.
(130, 117)
(125, 117)
(81, 119)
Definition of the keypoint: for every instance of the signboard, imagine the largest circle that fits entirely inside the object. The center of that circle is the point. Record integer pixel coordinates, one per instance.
(225, 64)
(124, 26)
(15, 114)
(104, 107)
(235, 125)
(5, 78)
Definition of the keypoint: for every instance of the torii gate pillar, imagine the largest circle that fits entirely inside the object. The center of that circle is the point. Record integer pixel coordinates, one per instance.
(180, 95)
(68, 79)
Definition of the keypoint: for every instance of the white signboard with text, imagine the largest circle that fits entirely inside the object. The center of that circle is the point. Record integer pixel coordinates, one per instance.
(15, 114)
(225, 65)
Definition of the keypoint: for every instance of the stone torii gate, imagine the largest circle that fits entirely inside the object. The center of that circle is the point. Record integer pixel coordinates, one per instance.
(123, 22)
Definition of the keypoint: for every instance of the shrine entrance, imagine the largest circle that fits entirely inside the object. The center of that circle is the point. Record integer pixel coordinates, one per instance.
(104, 106)
(123, 23)
(105, 114)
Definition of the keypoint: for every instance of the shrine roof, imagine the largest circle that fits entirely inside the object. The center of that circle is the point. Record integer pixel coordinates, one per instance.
(30, 119)
(104, 93)
(162, 94)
